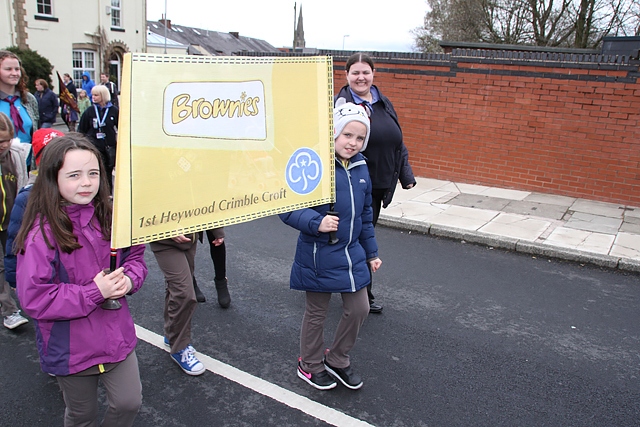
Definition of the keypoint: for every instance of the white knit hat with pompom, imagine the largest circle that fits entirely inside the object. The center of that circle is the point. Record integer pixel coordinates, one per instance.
(345, 112)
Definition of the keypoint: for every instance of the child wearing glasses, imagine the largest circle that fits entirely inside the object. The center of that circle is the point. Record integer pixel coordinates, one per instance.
(323, 266)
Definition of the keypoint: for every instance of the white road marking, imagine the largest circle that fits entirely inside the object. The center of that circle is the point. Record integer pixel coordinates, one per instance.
(275, 392)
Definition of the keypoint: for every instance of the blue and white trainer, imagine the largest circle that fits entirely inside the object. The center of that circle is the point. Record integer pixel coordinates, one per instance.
(188, 361)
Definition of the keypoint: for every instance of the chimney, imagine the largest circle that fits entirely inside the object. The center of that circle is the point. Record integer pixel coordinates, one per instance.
(235, 34)
(165, 22)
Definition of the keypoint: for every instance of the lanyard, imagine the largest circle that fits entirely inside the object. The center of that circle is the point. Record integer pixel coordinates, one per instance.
(104, 117)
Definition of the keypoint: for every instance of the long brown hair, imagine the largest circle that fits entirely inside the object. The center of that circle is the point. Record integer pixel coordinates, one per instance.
(45, 203)
(6, 125)
(43, 83)
(22, 84)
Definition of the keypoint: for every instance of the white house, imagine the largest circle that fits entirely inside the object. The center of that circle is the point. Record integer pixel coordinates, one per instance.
(76, 35)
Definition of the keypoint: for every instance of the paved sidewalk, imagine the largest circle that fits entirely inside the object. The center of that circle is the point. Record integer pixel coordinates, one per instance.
(605, 234)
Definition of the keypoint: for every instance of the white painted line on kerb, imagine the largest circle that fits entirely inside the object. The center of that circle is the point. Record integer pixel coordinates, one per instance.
(275, 392)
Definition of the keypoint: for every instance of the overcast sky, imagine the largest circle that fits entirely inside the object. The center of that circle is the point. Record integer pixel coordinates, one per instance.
(378, 25)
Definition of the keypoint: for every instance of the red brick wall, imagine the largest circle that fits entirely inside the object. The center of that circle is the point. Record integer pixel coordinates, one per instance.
(555, 127)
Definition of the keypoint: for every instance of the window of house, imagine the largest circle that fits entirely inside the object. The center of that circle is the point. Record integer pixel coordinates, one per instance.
(116, 13)
(44, 7)
(83, 60)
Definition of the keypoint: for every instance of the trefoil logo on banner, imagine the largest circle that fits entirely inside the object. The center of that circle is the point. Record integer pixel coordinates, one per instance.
(304, 171)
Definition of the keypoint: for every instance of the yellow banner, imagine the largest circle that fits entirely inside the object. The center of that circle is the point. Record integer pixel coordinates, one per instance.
(205, 142)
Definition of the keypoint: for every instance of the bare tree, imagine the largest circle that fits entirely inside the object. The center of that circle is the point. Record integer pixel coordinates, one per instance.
(597, 19)
(567, 23)
(459, 20)
(550, 22)
(505, 21)
(634, 12)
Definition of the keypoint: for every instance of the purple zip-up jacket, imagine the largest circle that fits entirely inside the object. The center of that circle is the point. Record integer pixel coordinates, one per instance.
(57, 290)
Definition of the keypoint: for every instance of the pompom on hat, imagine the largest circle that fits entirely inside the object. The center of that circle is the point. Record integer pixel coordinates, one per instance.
(345, 112)
(41, 138)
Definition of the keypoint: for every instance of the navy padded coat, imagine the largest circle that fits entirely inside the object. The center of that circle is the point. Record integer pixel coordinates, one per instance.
(320, 267)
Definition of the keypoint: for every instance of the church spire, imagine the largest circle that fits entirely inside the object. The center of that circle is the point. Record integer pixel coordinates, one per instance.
(298, 35)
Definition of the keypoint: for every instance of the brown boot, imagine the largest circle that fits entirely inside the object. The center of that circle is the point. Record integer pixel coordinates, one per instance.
(224, 299)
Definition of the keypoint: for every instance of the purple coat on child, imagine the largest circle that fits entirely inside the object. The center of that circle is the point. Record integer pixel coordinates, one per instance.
(57, 290)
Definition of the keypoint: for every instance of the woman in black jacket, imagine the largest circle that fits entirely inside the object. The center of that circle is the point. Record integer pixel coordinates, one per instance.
(387, 156)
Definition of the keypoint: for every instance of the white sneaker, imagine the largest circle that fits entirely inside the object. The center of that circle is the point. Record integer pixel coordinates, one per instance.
(14, 320)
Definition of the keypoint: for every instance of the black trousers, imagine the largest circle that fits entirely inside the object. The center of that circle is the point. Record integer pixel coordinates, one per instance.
(376, 204)
(218, 256)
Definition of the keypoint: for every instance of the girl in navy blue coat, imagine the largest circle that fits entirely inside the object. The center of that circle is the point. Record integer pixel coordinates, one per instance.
(321, 268)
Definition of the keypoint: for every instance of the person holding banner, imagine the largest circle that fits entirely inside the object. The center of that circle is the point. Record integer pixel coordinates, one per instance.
(324, 265)
(176, 258)
(387, 156)
(70, 85)
(63, 279)
(100, 124)
(68, 99)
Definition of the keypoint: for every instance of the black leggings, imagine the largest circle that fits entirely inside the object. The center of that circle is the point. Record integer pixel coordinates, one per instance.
(376, 204)
(218, 256)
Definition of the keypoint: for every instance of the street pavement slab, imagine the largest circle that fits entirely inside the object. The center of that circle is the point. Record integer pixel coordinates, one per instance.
(566, 227)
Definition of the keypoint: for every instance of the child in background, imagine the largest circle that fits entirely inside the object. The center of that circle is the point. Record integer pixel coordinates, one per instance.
(13, 172)
(40, 139)
(83, 101)
(321, 268)
(63, 248)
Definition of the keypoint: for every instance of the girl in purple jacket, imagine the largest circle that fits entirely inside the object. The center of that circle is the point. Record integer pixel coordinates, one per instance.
(63, 248)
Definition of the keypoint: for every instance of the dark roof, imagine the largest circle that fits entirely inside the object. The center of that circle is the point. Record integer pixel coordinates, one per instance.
(210, 42)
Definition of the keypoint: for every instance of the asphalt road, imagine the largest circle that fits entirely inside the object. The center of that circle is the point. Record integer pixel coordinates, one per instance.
(469, 336)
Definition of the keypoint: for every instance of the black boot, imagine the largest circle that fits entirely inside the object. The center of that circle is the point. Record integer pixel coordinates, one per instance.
(199, 295)
(224, 299)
